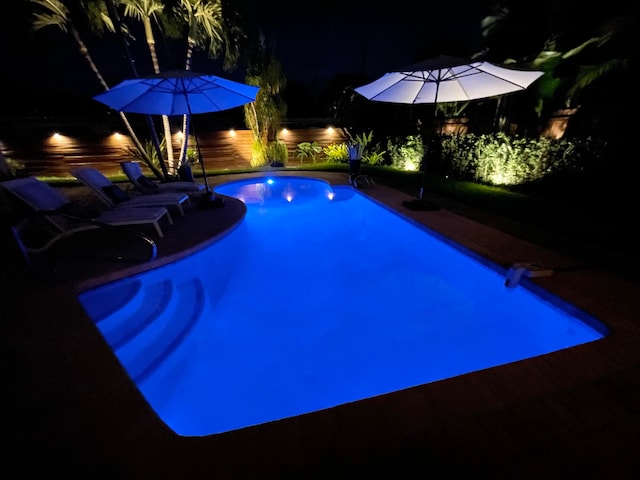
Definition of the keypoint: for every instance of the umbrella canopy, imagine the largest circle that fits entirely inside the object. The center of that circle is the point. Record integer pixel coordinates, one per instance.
(445, 79)
(181, 92)
(177, 93)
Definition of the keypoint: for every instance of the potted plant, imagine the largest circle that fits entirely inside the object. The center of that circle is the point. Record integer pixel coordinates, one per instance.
(355, 151)
(358, 144)
(277, 153)
(185, 172)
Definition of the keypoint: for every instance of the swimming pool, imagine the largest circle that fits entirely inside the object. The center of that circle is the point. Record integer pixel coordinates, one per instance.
(320, 297)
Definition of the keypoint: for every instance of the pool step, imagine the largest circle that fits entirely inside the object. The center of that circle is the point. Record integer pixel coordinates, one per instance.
(142, 310)
(109, 300)
(145, 351)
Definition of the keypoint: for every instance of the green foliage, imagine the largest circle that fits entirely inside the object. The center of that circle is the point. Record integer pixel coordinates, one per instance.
(498, 158)
(150, 155)
(258, 154)
(374, 158)
(406, 154)
(264, 116)
(277, 151)
(451, 109)
(359, 146)
(14, 166)
(501, 159)
(336, 153)
(149, 149)
(191, 157)
(364, 139)
(309, 150)
(578, 61)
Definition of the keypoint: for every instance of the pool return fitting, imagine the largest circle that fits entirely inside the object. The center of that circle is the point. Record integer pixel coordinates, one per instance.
(520, 269)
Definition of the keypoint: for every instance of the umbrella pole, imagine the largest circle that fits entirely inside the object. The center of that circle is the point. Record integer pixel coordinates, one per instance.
(204, 172)
(156, 144)
(420, 203)
(208, 199)
(428, 151)
(424, 172)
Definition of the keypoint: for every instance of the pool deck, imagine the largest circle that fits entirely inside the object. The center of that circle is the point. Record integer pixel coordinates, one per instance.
(71, 409)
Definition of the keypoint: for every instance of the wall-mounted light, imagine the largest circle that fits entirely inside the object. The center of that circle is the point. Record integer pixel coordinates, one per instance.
(232, 132)
(60, 140)
(116, 139)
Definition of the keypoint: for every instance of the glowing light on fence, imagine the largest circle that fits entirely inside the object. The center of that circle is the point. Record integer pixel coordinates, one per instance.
(115, 140)
(58, 140)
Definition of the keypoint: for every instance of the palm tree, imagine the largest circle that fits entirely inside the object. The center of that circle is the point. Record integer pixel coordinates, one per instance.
(206, 29)
(148, 11)
(56, 14)
(154, 148)
(203, 19)
(264, 116)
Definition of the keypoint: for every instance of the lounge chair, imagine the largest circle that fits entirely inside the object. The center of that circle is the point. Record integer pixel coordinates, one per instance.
(68, 217)
(115, 197)
(65, 217)
(49, 233)
(143, 184)
(356, 177)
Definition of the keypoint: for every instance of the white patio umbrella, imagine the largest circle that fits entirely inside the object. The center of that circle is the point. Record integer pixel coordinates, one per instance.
(446, 79)
(181, 92)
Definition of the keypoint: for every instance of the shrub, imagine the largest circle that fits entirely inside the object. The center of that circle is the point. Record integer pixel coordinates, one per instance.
(258, 154)
(501, 159)
(375, 157)
(406, 154)
(277, 152)
(336, 153)
(308, 150)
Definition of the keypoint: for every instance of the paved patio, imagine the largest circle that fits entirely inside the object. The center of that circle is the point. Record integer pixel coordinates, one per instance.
(72, 410)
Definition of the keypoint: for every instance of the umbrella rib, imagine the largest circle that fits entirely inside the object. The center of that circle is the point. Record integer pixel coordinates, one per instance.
(477, 70)
(506, 80)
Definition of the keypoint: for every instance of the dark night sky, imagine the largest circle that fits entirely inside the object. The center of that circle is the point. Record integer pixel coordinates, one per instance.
(362, 37)
(313, 44)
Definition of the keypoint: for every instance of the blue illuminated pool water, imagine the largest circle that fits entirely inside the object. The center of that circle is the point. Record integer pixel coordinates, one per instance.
(320, 297)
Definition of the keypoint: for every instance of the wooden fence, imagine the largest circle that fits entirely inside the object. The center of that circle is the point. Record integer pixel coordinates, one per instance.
(47, 154)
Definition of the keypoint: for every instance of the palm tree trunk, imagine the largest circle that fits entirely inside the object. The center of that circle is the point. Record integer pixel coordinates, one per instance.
(165, 119)
(136, 141)
(163, 174)
(185, 119)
